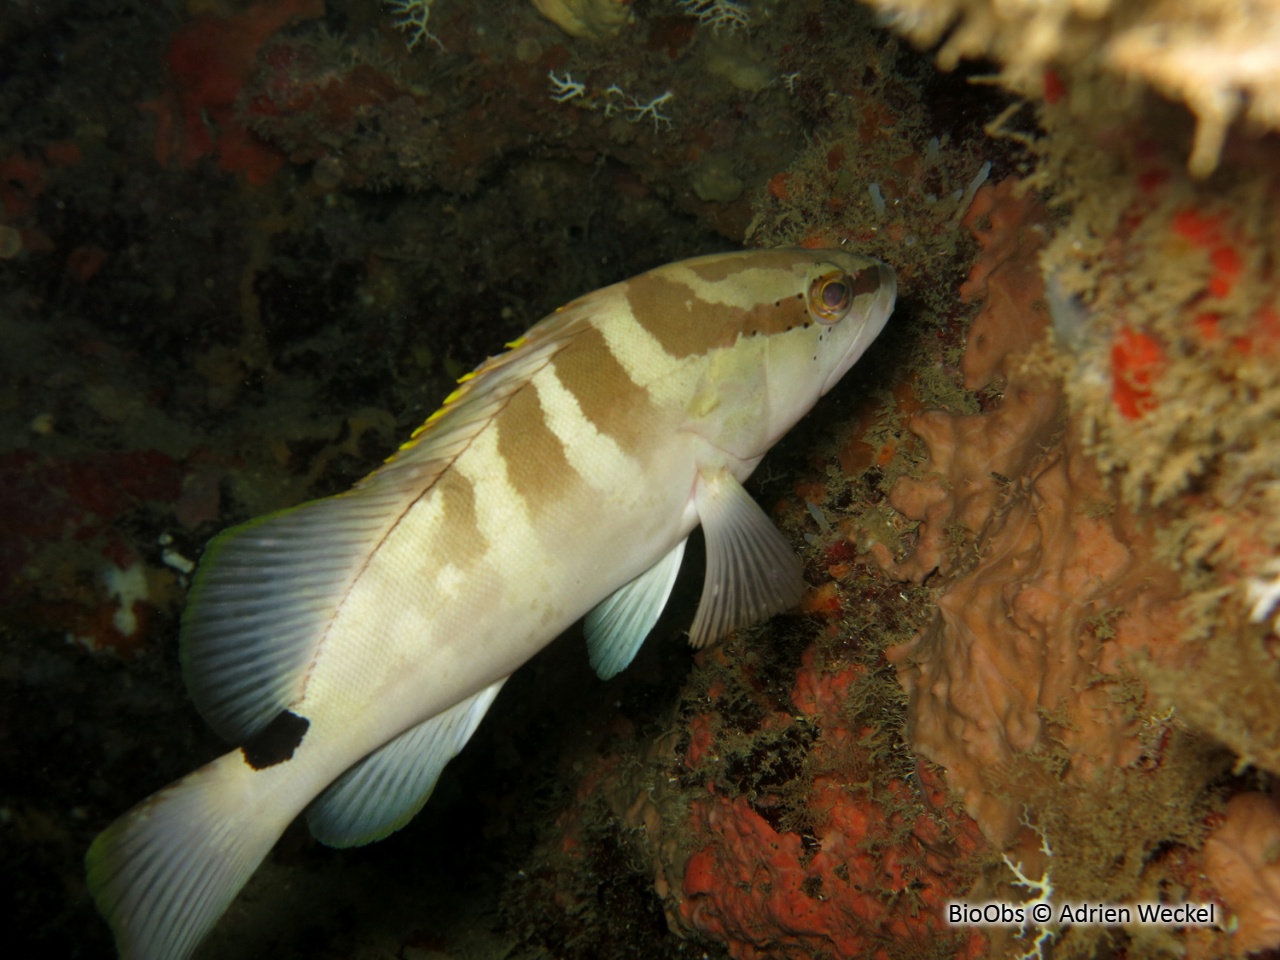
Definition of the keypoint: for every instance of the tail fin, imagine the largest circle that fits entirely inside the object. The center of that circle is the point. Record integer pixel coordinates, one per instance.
(164, 872)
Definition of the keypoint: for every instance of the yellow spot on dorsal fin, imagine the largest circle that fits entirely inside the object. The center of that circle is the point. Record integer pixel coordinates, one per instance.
(413, 437)
(491, 367)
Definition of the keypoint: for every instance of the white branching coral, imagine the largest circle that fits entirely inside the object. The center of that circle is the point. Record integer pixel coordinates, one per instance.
(564, 89)
(410, 18)
(1221, 58)
(1224, 65)
(1264, 594)
(717, 14)
(1041, 892)
(641, 110)
(613, 100)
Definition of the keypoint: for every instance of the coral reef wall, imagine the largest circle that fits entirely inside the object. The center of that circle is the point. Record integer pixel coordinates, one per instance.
(1024, 686)
(1081, 491)
(247, 245)
(1218, 58)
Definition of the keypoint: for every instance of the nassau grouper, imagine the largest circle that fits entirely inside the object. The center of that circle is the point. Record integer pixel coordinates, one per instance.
(351, 645)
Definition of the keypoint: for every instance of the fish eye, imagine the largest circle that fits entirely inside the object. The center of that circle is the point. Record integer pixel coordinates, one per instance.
(830, 297)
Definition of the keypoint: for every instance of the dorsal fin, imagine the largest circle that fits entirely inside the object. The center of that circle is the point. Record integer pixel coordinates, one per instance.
(267, 590)
(484, 391)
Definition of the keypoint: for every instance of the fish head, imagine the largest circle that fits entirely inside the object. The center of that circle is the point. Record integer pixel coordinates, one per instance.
(849, 299)
(800, 320)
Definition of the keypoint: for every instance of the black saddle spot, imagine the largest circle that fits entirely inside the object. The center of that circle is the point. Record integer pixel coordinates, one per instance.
(275, 742)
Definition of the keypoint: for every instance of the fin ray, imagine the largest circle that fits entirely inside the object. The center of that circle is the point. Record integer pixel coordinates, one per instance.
(386, 789)
(617, 627)
(257, 611)
(752, 572)
(164, 872)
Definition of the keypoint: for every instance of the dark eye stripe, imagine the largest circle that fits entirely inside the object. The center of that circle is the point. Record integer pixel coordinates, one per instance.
(866, 281)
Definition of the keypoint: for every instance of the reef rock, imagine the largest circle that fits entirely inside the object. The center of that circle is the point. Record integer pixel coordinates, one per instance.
(1050, 595)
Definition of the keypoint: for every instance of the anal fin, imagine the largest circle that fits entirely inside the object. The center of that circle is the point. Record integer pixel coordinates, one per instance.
(386, 789)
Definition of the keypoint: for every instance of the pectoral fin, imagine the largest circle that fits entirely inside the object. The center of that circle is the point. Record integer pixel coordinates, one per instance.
(386, 789)
(618, 626)
(752, 572)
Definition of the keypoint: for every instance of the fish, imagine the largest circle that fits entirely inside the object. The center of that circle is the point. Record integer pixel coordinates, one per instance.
(350, 646)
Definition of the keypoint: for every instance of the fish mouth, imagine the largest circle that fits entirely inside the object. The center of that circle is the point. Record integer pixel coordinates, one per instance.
(877, 315)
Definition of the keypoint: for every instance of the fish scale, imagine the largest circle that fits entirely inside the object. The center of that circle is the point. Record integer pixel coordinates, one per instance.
(351, 645)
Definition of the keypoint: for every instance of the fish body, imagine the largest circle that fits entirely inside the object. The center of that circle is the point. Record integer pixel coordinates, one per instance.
(351, 645)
